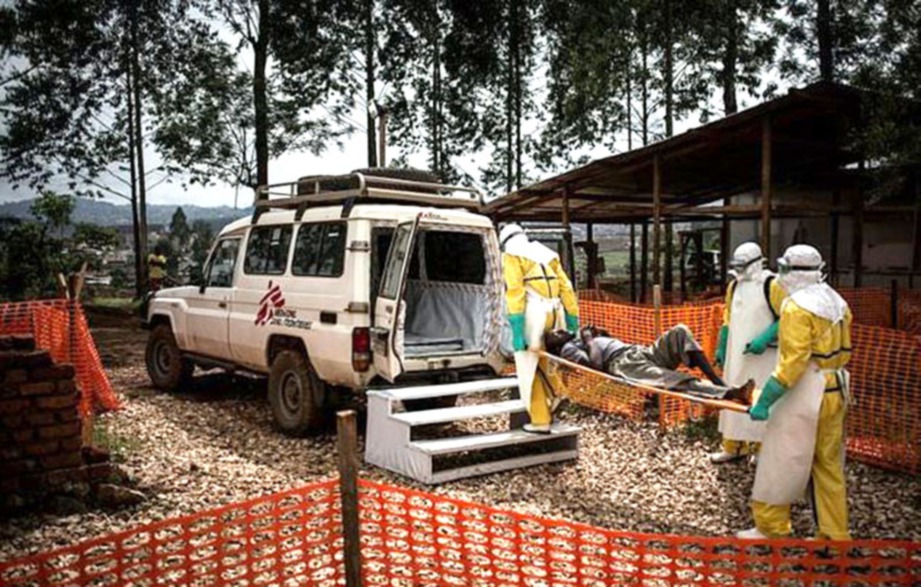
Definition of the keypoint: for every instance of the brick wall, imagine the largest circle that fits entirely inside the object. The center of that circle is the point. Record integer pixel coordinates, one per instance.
(41, 448)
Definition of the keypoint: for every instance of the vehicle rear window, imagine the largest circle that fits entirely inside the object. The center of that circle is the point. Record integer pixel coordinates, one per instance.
(320, 250)
(267, 250)
(456, 257)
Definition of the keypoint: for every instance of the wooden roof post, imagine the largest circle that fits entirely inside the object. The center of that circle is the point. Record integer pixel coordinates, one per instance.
(633, 262)
(656, 219)
(591, 251)
(644, 262)
(568, 264)
(767, 187)
(835, 223)
(858, 227)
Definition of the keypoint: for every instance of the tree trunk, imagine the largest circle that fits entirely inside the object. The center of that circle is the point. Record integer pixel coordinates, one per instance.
(437, 159)
(139, 152)
(510, 101)
(730, 59)
(629, 90)
(132, 171)
(669, 71)
(260, 94)
(826, 40)
(644, 89)
(369, 80)
(518, 93)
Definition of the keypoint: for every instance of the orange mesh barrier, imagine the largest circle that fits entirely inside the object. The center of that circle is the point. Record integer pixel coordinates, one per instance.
(408, 537)
(60, 327)
(289, 538)
(884, 425)
(415, 538)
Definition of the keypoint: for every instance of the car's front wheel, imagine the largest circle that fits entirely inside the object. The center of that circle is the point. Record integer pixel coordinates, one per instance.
(167, 368)
(293, 389)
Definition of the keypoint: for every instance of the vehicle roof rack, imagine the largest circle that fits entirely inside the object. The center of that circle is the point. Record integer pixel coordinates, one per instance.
(348, 189)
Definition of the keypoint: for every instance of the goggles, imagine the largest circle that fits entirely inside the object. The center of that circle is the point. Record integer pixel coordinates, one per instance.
(784, 267)
(742, 266)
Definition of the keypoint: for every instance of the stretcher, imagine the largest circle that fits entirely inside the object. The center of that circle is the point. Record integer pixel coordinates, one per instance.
(720, 404)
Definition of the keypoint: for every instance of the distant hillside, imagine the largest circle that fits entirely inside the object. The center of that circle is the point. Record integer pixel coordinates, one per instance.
(108, 214)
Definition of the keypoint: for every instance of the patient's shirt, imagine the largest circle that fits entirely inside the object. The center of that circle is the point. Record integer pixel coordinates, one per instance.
(600, 351)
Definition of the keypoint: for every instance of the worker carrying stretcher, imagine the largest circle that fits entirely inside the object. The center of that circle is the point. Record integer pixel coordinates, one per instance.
(655, 365)
(804, 402)
(539, 299)
(747, 347)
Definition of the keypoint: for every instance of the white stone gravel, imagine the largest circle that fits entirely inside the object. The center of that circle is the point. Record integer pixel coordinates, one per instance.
(215, 444)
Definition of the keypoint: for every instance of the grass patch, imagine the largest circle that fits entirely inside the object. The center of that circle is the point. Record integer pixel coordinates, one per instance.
(117, 445)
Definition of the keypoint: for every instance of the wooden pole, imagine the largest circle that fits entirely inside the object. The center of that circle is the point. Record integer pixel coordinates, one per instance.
(657, 308)
(591, 251)
(835, 221)
(669, 244)
(644, 263)
(725, 245)
(682, 274)
(567, 235)
(656, 219)
(347, 446)
(857, 242)
(382, 138)
(633, 262)
(767, 187)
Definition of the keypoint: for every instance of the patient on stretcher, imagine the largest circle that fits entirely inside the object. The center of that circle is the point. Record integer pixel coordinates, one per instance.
(655, 365)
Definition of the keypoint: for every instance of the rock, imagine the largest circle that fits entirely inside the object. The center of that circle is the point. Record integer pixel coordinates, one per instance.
(109, 495)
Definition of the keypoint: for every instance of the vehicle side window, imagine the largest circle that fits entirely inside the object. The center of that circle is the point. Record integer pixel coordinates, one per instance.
(223, 261)
(267, 250)
(393, 272)
(320, 250)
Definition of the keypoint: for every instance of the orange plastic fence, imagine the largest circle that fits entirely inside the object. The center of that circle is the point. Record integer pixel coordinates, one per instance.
(883, 426)
(415, 538)
(409, 537)
(60, 327)
(289, 538)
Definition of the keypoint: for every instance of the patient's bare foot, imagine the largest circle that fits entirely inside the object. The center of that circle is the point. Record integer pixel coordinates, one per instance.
(743, 393)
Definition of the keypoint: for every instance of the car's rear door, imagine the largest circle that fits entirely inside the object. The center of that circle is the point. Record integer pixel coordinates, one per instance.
(390, 308)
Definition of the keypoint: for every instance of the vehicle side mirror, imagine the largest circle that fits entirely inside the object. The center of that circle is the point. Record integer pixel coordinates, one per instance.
(202, 286)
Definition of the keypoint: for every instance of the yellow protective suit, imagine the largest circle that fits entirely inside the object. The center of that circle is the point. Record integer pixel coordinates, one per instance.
(776, 296)
(525, 276)
(805, 337)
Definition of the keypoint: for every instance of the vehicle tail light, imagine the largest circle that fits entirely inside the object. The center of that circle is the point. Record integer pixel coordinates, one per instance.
(361, 349)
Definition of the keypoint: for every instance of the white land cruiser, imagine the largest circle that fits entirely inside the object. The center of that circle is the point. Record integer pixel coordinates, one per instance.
(343, 282)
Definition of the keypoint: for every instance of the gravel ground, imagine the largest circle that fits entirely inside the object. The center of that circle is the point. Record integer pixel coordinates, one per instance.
(215, 444)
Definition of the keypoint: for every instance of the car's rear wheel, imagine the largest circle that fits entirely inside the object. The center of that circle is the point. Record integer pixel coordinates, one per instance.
(293, 392)
(167, 368)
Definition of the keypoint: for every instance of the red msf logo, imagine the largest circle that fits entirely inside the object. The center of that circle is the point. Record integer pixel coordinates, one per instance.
(270, 301)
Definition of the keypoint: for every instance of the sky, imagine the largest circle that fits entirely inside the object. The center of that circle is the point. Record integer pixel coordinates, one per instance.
(349, 155)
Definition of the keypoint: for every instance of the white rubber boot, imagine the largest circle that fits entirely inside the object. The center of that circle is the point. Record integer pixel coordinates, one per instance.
(751, 534)
(718, 458)
(538, 428)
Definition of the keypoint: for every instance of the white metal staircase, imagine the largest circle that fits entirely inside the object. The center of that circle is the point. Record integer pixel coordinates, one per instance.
(390, 442)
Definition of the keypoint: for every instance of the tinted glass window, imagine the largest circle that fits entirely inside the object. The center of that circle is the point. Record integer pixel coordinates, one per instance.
(457, 257)
(224, 259)
(267, 250)
(320, 250)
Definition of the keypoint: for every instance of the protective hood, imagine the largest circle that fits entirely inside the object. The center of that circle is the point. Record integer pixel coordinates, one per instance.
(822, 300)
(519, 246)
(747, 263)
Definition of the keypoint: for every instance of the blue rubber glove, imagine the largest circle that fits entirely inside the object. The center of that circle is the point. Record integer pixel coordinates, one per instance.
(721, 345)
(517, 323)
(760, 343)
(773, 390)
(572, 324)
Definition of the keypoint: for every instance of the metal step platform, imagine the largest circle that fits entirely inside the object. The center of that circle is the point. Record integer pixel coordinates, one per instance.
(390, 443)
